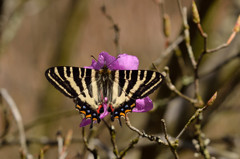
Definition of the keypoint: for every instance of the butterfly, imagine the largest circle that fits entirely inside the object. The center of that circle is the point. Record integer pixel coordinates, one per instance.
(91, 88)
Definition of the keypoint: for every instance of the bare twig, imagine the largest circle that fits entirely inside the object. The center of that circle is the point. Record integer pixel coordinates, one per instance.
(63, 144)
(49, 118)
(39, 140)
(173, 147)
(197, 113)
(165, 21)
(236, 29)
(187, 40)
(93, 151)
(113, 138)
(61, 154)
(174, 89)
(115, 27)
(143, 134)
(201, 143)
(4, 119)
(183, 11)
(180, 7)
(221, 65)
(169, 50)
(187, 37)
(130, 146)
(42, 152)
(13, 107)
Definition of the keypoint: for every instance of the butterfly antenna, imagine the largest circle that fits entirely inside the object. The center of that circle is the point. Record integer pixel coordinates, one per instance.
(113, 61)
(94, 58)
(155, 67)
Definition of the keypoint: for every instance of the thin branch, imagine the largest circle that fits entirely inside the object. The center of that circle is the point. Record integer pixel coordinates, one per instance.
(93, 151)
(50, 118)
(40, 141)
(221, 65)
(187, 38)
(201, 141)
(61, 154)
(206, 51)
(63, 144)
(165, 21)
(42, 152)
(195, 63)
(143, 134)
(115, 27)
(236, 29)
(113, 138)
(174, 89)
(201, 145)
(169, 50)
(197, 113)
(4, 119)
(180, 7)
(130, 146)
(173, 147)
(17, 116)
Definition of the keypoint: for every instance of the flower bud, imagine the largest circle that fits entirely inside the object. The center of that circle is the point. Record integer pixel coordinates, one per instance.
(196, 18)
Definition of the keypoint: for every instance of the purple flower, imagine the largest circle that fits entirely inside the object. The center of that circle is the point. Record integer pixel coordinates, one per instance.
(123, 62)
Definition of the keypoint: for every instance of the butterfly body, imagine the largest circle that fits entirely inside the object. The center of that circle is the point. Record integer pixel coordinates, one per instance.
(91, 89)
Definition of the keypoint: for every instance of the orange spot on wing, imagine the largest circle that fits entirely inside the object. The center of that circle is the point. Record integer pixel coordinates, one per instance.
(128, 110)
(122, 114)
(83, 112)
(133, 105)
(88, 116)
(78, 106)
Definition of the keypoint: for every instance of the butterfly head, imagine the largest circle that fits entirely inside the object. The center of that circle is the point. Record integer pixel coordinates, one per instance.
(105, 70)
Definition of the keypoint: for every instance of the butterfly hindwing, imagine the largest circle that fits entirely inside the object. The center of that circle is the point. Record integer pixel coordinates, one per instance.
(134, 84)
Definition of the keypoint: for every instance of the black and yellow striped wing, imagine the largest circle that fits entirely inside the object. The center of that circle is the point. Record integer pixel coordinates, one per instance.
(89, 88)
(129, 85)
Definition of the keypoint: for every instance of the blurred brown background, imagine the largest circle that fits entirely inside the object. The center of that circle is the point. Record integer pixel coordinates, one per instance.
(38, 34)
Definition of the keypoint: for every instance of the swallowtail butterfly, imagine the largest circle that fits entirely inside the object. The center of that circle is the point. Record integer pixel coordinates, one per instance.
(89, 87)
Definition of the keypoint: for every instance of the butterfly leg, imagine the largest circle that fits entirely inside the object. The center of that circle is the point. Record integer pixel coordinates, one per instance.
(111, 110)
(119, 121)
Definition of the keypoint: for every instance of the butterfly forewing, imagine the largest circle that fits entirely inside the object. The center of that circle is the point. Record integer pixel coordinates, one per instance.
(136, 84)
(75, 82)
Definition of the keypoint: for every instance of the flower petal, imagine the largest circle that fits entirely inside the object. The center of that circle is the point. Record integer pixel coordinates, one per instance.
(143, 105)
(110, 61)
(123, 62)
(127, 62)
(85, 122)
(104, 59)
